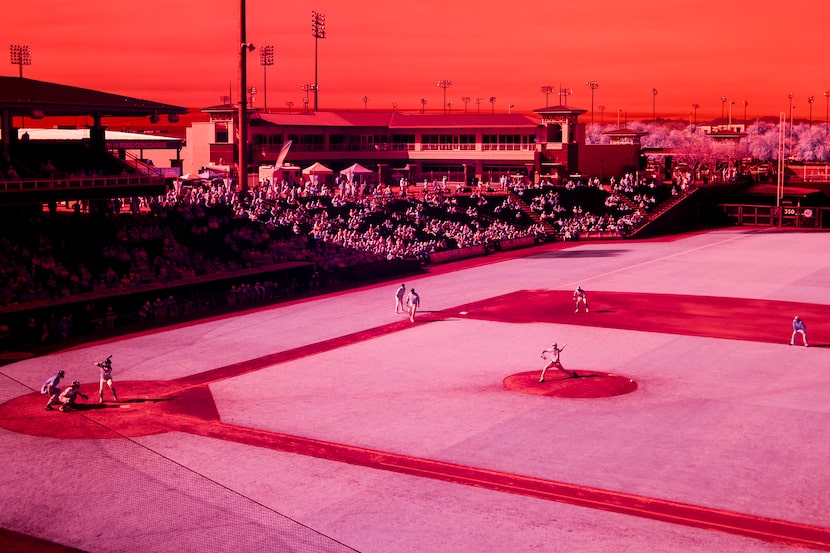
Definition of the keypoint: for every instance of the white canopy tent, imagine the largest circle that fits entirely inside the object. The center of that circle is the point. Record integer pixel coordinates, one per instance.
(317, 169)
(356, 169)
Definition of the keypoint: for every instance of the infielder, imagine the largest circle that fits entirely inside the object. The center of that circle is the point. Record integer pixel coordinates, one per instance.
(413, 301)
(579, 296)
(799, 327)
(399, 294)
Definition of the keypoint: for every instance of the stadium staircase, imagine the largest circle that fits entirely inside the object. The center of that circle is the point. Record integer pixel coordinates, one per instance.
(661, 211)
(550, 231)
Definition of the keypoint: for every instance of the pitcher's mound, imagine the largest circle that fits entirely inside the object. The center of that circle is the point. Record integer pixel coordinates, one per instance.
(586, 384)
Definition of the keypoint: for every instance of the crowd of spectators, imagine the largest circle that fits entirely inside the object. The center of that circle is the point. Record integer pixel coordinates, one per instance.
(210, 229)
(579, 208)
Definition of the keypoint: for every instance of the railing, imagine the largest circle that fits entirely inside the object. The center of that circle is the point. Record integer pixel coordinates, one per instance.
(267, 150)
(77, 183)
(142, 166)
(804, 217)
(507, 147)
(744, 214)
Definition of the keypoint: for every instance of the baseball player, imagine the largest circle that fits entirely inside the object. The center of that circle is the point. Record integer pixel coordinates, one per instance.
(68, 397)
(554, 351)
(51, 388)
(413, 301)
(399, 295)
(579, 296)
(799, 327)
(106, 377)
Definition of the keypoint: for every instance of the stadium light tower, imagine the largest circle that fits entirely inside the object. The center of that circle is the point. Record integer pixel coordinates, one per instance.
(20, 55)
(318, 31)
(445, 84)
(466, 100)
(790, 96)
(565, 92)
(827, 110)
(810, 101)
(695, 108)
(266, 58)
(654, 104)
(307, 88)
(593, 85)
(493, 104)
(244, 48)
(478, 104)
(546, 90)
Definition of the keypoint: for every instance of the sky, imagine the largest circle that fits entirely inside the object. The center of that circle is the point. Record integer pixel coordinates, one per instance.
(186, 53)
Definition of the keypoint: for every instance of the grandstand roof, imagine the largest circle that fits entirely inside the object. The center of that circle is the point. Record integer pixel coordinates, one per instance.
(30, 98)
(398, 120)
(114, 139)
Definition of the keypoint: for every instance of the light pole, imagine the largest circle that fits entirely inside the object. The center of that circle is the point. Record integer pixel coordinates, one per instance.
(722, 108)
(466, 100)
(565, 92)
(290, 105)
(266, 58)
(493, 104)
(244, 48)
(478, 104)
(318, 31)
(601, 112)
(790, 149)
(695, 108)
(445, 84)
(365, 103)
(731, 103)
(20, 55)
(394, 106)
(779, 190)
(449, 106)
(423, 105)
(654, 104)
(593, 85)
(810, 101)
(746, 103)
(306, 88)
(510, 108)
(826, 110)
(546, 90)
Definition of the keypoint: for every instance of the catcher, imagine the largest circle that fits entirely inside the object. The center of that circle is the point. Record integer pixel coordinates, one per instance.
(67, 397)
